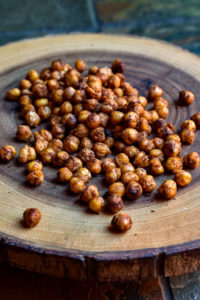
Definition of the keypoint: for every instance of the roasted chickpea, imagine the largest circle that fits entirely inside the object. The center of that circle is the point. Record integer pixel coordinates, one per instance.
(40, 90)
(116, 117)
(115, 203)
(143, 101)
(173, 164)
(64, 175)
(156, 167)
(121, 222)
(69, 120)
(27, 108)
(135, 107)
(94, 166)
(25, 84)
(129, 176)
(143, 125)
(159, 102)
(140, 172)
(196, 119)
(121, 159)
(41, 102)
(98, 134)
(97, 204)
(90, 192)
(71, 144)
(118, 92)
(191, 160)
(44, 112)
(7, 152)
(93, 70)
(47, 135)
(141, 160)
(86, 155)
(54, 119)
(117, 188)
(146, 145)
(166, 130)
(131, 119)
(60, 158)
(104, 119)
(131, 151)
(57, 65)
(174, 137)
(159, 124)
(84, 174)
(31, 217)
(79, 96)
(57, 96)
(26, 154)
(32, 118)
(56, 145)
(83, 116)
(109, 141)
(159, 143)
(73, 164)
(156, 153)
(93, 120)
(118, 66)
(32, 75)
(69, 93)
(24, 100)
(80, 65)
(119, 146)
(13, 94)
(186, 97)
(122, 103)
(168, 189)
(148, 183)
(153, 116)
(182, 177)
(92, 105)
(86, 143)
(187, 136)
(133, 190)
(117, 132)
(77, 185)
(162, 111)
(130, 136)
(154, 92)
(47, 156)
(40, 145)
(34, 165)
(112, 175)
(65, 108)
(52, 84)
(35, 177)
(127, 168)
(101, 150)
(81, 131)
(24, 133)
(45, 74)
(172, 148)
(188, 124)
(108, 163)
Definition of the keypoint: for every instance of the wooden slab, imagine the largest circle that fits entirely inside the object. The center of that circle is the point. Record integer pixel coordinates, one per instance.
(70, 241)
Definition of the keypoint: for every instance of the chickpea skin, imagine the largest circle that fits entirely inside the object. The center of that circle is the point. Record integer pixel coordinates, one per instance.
(60, 158)
(182, 177)
(71, 144)
(168, 189)
(121, 159)
(101, 150)
(188, 124)
(77, 185)
(35, 177)
(86, 155)
(7, 152)
(24, 133)
(90, 192)
(186, 97)
(115, 203)
(192, 160)
(148, 183)
(108, 163)
(112, 175)
(26, 154)
(97, 204)
(34, 165)
(130, 136)
(154, 92)
(133, 190)
(173, 164)
(64, 175)
(13, 94)
(187, 136)
(94, 166)
(84, 174)
(31, 217)
(117, 188)
(121, 222)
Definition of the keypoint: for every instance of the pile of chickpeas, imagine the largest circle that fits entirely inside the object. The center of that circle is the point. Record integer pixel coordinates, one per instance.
(91, 116)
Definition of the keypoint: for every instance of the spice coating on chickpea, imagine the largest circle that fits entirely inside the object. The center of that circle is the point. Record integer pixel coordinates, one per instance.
(60, 158)
(90, 192)
(121, 159)
(112, 175)
(24, 133)
(7, 152)
(34, 165)
(148, 183)
(71, 144)
(77, 185)
(154, 92)
(186, 97)
(35, 177)
(156, 167)
(31, 217)
(64, 175)
(182, 177)
(173, 164)
(133, 190)
(114, 203)
(192, 160)
(168, 189)
(26, 154)
(97, 204)
(101, 150)
(94, 166)
(108, 163)
(117, 188)
(84, 174)
(129, 176)
(187, 136)
(172, 148)
(121, 222)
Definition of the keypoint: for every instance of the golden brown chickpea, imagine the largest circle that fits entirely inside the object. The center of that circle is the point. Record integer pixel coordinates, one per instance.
(130, 136)
(69, 93)
(113, 82)
(26, 92)
(92, 105)
(108, 163)
(140, 172)
(97, 204)
(52, 84)
(69, 120)
(153, 116)
(7, 152)
(118, 92)
(172, 148)
(24, 100)
(148, 183)
(73, 164)
(196, 119)
(109, 141)
(118, 66)
(131, 151)
(90, 192)
(146, 145)
(93, 70)
(98, 134)
(143, 101)
(143, 125)
(121, 222)
(81, 131)
(104, 119)
(41, 102)
(135, 107)
(32, 118)
(174, 137)
(119, 146)
(45, 74)
(115, 203)
(57, 65)
(58, 131)
(35, 177)
(127, 168)
(64, 175)
(108, 106)
(80, 65)
(60, 158)
(173, 164)
(40, 145)
(187, 136)
(159, 124)
(122, 103)
(65, 108)
(188, 124)
(121, 159)
(117, 131)
(116, 117)
(47, 156)
(93, 120)
(112, 175)
(133, 190)
(154, 92)
(26, 109)
(71, 144)
(156, 167)
(46, 134)
(168, 189)
(44, 112)
(159, 143)
(117, 188)
(94, 89)
(83, 116)
(162, 111)
(166, 130)
(31, 217)
(146, 114)
(24, 133)
(182, 177)
(26, 154)
(77, 185)
(186, 97)
(56, 145)
(54, 119)
(156, 153)
(57, 75)
(86, 143)
(141, 160)
(32, 75)
(84, 174)
(94, 166)
(192, 160)
(57, 96)
(131, 119)
(129, 176)
(13, 94)
(159, 102)
(86, 155)
(34, 165)
(25, 84)
(40, 90)
(101, 150)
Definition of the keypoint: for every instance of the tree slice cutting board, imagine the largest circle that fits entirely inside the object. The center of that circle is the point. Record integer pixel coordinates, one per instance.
(70, 241)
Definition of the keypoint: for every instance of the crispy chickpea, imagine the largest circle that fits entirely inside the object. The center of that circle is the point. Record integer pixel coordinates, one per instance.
(24, 133)
(98, 134)
(104, 119)
(94, 166)
(66, 107)
(115, 203)
(116, 117)
(26, 154)
(93, 120)
(52, 84)
(31, 217)
(25, 84)
(81, 131)
(191, 160)
(54, 119)
(172, 148)
(146, 145)
(157, 153)
(71, 144)
(47, 156)
(140, 172)
(119, 146)
(40, 145)
(154, 92)
(7, 152)
(84, 174)
(58, 131)
(159, 143)
(173, 164)
(168, 189)
(108, 163)
(86, 143)
(73, 164)
(131, 119)
(47, 135)
(133, 190)
(131, 151)
(156, 167)
(41, 102)
(56, 145)
(129, 176)
(35, 177)
(69, 92)
(69, 120)
(64, 175)
(122, 103)
(24, 100)
(57, 65)
(44, 112)
(60, 158)
(83, 116)
(196, 119)
(97, 204)
(118, 92)
(13, 94)
(32, 118)
(86, 155)
(112, 175)
(130, 136)
(127, 168)
(117, 132)
(141, 160)
(117, 188)
(90, 192)
(109, 141)
(186, 97)
(188, 124)
(101, 150)
(182, 177)
(93, 70)
(77, 185)
(174, 137)
(159, 124)
(45, 74)
(166, 130)
(121, 222)
(32, 75)
(92, 105)
(143, 125)
(162, 111)
(34, 165)
(57, 96)
(121, 159)
(187, 136)
(153, 116)
(118, 66)
(159, 102)
(27, 108)
(40, 90)
(143, 101)
(108, 106)
(148, 183)
(80, 65)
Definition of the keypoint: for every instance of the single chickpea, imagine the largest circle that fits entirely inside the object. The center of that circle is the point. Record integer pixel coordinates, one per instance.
(154, 92)
(90, 192)
(24, 100)
(47, 135)
(148, 183)
(159, 102)
(27, 108)
(162, 111)
(127, 168)
(166, 130)
(25, 84)
(172, 148)
(58, 131)
(71, 144)
(7, 152)
(131, 151)
(93, 120)
(122, 103)
(174, 137)
(101, 150)
(54, 119)
(116, 117)
(65, 108)
(104, 119)
(121, 222)
(121, 159)
(83, 116)
(140, 173)
(86, 155)
(52, 84)
(117, 132)
(143, 101)
(56, 145)
(156, 153)
(146, 115)
(112, 175)
(77, 185)
(60, 158)
(91, 105)
(97, 204)
(130, 136)
(69, 120)
(84, 174)
(24, 133)
(93, 70)
(26, 154)
(44, 112)
(108, 106)
(32, 75)
(40, 145)
(133, 190)
(80, 65)
(159, 143)
(188, 124)
(129, 176)
(13, 94)
(118, 92)
(40, 90)
(47, 156)
(173, 164)
(115, 203)
(196, 119)
(81, 131)
(156, 167)
(146, 145)
(131, 119)
(45, 74)
(57, 96)
(31, 217)
(34, 165)
(94, 166)
(143, 125)
(57, 65)
(35, 177)
(191, 160)
(119, 146)
(153, 116)
(168, 189)
(108, 163)
(73, 164)
(109, 141)
(182, 177)
(117, 188)
(32, 118)
(64, 175)
(98, 134)
(141, 160)
(118, 66)
(41, 102)
(86, 143)
(187, 136)
(69, 93)
(159, 124)
(186, 97)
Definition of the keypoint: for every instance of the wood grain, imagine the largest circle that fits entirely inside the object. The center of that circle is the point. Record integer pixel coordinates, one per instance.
(70, 240)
